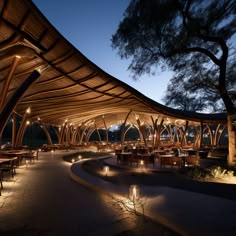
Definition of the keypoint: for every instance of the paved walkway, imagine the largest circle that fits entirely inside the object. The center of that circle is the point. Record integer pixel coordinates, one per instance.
(186, 212)
(44, 200)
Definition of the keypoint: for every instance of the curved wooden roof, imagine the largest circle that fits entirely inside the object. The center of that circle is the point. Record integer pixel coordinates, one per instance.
(70, 86)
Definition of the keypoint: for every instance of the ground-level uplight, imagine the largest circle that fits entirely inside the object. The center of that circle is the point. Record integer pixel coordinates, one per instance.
(134, 193)
(106, 170)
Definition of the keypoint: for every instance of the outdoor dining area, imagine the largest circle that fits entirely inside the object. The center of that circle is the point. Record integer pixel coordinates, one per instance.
(10, 160)
(161, 157)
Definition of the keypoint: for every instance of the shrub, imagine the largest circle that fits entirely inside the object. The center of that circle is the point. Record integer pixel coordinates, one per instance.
(207, 173)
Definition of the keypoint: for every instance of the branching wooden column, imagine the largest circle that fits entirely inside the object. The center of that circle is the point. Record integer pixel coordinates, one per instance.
(57, 131)
(123, 131)
(44, 127)
(74, 135)
(183, 138)
(220, 132)
(62, 132)
(107, 140)
(99, 136)
(13, 136)
(83, 133)
(157, 131)
(22, 128)
(11, 103)
(68, 133)
(142, 131)
(8, 81)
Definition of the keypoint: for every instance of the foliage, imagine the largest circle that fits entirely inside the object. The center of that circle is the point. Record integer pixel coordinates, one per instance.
(212, 172)
(192, 37)
(198, 91)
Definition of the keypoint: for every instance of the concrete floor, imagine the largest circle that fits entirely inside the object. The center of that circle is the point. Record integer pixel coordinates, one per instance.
(43, 200)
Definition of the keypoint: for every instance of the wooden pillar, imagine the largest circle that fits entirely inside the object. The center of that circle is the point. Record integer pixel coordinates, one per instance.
(22, 127)
(183, 139)
(201, 134)
(142, 130)
(211, 134)
(43, 126)
(62, 132)
(158, 132)
(123, 127)
(107, 140)
(57, 133)
(99, 136)
(11, 103)
(8, 81)
(220, 134)
(13, 136)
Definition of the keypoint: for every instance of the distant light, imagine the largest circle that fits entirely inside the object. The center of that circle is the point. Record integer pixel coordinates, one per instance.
(28, 111)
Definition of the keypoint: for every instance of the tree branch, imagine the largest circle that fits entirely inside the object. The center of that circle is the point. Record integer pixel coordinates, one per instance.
(204, 51)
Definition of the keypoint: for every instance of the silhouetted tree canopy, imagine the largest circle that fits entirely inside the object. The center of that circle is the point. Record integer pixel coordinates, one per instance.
(198, 91)
(191, 37)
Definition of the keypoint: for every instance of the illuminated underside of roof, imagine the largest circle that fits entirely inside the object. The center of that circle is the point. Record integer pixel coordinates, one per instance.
(70, 86)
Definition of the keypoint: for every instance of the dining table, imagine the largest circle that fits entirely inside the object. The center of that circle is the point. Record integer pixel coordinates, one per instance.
(19, 154)
(4, 159)
(164, 159)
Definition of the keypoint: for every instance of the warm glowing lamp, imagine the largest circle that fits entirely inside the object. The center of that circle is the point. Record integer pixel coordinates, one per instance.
(28, 111)
(106, 170)
(141, 162)
(134, 192)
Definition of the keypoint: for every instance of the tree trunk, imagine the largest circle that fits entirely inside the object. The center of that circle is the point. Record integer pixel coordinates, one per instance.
(232, 139)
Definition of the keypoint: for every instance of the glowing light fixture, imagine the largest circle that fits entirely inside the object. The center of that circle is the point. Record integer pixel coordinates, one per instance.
(28, 111)
(106, 170)
(141, 162)
(134, 193)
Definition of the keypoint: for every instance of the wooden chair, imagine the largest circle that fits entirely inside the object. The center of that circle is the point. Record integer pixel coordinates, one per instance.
(9, 167)
(193, 160)
(35, 155)
(149, 159)
(29, 157)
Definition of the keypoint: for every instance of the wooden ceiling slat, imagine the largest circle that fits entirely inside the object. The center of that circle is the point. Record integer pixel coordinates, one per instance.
(72, 86)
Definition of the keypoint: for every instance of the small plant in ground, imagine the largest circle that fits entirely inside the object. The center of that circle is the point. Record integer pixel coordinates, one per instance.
(209, 173)
(219, 172)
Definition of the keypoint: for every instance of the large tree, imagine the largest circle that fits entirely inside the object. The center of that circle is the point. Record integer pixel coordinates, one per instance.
(179, 34)
(195, 89)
